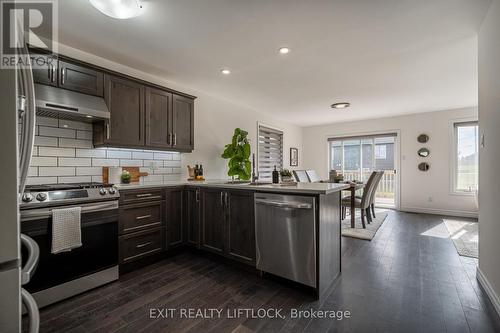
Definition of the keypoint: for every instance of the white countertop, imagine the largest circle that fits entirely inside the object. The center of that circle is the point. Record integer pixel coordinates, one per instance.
(305, 188)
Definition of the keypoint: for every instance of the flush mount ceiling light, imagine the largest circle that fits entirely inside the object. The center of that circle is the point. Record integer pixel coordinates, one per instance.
(225, 71)
(341, 105)
(284, 50)
(119, 9)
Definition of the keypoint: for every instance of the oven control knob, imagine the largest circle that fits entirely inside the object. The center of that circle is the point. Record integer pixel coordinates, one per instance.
(41, 197)
(112, 190)
(27, 197)
(102, 191)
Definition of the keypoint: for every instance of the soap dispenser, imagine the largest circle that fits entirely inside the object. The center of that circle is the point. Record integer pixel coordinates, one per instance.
(276, 176)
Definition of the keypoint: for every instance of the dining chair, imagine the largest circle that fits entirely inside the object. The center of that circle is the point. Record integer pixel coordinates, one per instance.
(301, 176)
(313, 176)
(362, 203)
(370, 212)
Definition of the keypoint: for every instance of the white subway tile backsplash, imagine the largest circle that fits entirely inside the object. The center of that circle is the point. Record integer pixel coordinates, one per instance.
(40, 180)
(76, 179)
(97, 179)
(89, 171)
(162, 156)
(64, 153)
(118, 154)
(153, 164)
(46, 141)
(71, 161)
(56, 132)
(91, 152)
(74, 143)
(33, 171)
(105, 162)
(142, 155)
(84, 135)
(56, 171)
(134, 163)
(43, 161)
(79, 125)
(61, 152)
(44, 121)
(172, 163)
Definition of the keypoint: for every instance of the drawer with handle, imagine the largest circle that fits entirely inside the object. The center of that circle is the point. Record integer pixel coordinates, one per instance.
(134, 196)
(139, 217)
(140, 245)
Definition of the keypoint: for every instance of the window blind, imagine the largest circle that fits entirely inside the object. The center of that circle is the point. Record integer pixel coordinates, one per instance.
(270, 151)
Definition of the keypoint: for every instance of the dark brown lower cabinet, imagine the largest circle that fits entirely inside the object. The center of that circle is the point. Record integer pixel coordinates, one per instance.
(241, 226)
(212, 220)
(228, 224)
(174, 217)
(192, 216)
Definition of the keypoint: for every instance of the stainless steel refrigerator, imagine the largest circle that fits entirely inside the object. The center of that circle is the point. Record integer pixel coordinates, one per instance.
(17, 124)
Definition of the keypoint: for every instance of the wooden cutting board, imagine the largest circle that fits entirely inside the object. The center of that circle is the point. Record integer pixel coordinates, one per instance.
(134, 172)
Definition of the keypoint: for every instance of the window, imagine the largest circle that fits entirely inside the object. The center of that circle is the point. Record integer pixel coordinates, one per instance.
(270, 151)
(466, 159)
(380, 152)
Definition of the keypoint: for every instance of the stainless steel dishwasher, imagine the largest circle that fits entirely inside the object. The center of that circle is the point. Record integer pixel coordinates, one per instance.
(285, 235)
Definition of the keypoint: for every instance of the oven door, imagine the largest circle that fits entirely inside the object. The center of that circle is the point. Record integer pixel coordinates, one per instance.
(99, 250)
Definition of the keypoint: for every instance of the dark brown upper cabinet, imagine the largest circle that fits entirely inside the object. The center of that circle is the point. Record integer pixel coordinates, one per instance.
(125, 128)
(183, 123)
(45, 70)
(158, 118)
(81, 79)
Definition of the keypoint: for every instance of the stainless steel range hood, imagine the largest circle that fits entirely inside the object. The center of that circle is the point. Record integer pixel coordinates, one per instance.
(64, 104)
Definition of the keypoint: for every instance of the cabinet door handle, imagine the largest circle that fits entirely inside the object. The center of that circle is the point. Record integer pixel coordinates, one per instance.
(222, 199)
(63, 76)
(53, 78)
(197, 195)
(227, 200)
(143, 217)
(143, 244)
(108, 131)
(143, 195)
(175, 139)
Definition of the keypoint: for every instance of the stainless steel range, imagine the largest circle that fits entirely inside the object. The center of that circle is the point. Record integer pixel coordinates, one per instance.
(62, 275)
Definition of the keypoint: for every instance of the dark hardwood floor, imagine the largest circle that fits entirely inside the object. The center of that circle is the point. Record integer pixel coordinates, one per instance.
(409, 278)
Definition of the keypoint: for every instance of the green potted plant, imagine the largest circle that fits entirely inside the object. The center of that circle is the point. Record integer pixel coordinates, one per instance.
(125, 177)
(286, 176)
(238, 153)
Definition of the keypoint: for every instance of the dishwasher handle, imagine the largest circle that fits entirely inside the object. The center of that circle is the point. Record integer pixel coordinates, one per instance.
(282, 204)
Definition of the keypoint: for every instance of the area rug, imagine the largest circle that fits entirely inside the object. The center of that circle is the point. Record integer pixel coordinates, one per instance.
(358, 231)
(464, 235)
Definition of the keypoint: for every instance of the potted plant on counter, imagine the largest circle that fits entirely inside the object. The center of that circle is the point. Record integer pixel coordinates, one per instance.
(238, 153)
(286, 176)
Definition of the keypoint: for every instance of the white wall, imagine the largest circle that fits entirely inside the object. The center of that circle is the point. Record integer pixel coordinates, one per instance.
(489, 156)
(215, 120)
(416, 186)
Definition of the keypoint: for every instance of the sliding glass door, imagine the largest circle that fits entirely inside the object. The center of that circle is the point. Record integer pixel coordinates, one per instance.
(357, 157)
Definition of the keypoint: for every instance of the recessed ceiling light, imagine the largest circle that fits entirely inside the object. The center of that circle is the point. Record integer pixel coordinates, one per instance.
(284, 50)
(225, 71)
(341, 105)
(89, 116)
(119, 9)
(65, 126)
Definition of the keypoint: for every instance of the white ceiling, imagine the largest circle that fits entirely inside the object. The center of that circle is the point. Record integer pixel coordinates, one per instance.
(386, 57)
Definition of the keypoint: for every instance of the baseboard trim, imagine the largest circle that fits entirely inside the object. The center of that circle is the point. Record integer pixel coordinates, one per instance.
(488, 289)
(457, 213)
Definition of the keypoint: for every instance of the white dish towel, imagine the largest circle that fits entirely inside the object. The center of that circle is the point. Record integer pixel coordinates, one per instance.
(66, 229)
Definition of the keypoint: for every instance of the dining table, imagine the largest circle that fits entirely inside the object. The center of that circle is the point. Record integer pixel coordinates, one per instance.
(354, 186)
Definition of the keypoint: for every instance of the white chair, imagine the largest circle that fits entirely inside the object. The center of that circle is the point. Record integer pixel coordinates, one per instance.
(313, 176)
(301, 176)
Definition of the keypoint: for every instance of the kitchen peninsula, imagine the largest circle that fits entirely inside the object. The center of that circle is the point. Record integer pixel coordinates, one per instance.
(224, 218)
